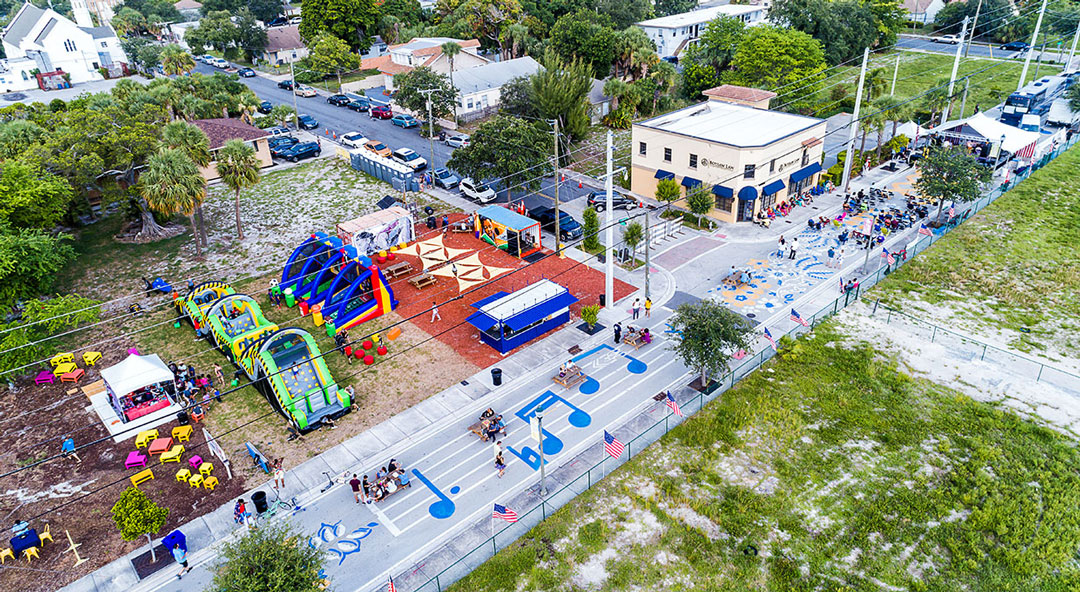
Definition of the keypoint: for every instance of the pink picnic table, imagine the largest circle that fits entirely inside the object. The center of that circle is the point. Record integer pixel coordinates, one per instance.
(160, 446)
(135, 459)
(44, 377)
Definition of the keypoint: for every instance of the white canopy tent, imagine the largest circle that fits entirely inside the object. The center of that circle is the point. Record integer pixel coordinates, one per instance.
(981, 128)
(912, 130)
(134, 373)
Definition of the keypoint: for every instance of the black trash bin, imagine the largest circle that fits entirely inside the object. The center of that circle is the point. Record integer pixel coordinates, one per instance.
(259, 499)
(182, 418)
(496, 376)
(430, 223)
(603, 300)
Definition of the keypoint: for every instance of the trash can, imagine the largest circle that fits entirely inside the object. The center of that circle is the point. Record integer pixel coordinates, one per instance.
(182, 418)
(316, 314)
(259, 499)
(603, 300)
(290, 300)
(496, 377)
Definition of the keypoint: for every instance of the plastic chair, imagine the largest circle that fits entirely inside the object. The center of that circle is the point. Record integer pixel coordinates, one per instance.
(210, 483)
(45, 535)
(206, 468)
(182, 475)
(195, 480)
(30, 553)
(5, 554)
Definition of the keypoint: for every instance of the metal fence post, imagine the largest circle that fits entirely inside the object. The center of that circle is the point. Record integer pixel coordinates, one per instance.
(934, 334)
(437, 584)
(494, 549)
(1039, 377)
(984, 352)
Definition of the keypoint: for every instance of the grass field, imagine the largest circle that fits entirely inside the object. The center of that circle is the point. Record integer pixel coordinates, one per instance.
(829, 469)
(1009, 273)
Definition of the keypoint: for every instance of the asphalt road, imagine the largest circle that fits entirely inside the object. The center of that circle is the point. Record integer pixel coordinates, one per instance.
(978, 49)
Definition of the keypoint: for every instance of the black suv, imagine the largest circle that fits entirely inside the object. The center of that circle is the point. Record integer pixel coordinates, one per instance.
(568, 227)
(359, 105)
(308, 122)
(339, 100)
(265, 107)
(300, 151)
(598, 200)
(285, 84)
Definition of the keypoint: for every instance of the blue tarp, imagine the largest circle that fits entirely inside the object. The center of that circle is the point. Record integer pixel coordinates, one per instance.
(805, 172)
(662, 174)
(721, 191)
(492, 298)
(505, 217)
(690, 182)
(748, 193)
(540, 311)
(772, 188)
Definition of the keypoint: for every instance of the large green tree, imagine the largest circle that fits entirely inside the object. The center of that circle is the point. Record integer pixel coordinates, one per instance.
(950, 173)
(706, 62)
(588, 36)
(27, 340)
(516, 98)
(176, 61)
(410, 84)
(488, 20)
(17, 135)
(29, 262)
(330, 55)
(353, 21)
(991, 15)
(274, 558)
(844, 27)
(561, 91)
(33, 198)
(229, 33)
(171, 184)
(635, 53)
(264, 10)
(509, 148)
(239, 169)
(668, 7)
(137, 516)
(194, 143)
(706, 334)
(789, 62)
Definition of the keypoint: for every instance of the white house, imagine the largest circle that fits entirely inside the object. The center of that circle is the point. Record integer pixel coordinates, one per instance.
(674, 33)
(480, 88)
(923, 11)
(41, 39)
(284, 45)
(424, 51)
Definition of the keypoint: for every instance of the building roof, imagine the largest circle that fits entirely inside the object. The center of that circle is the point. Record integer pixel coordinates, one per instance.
(596, 93)
(222, 130)
(494, 75)
(187, 5)
(739, 93)
(49, 26)
(731, 124)
(384, 64)
(916, 6)
(697, 17)
(23, 23)
(432, 44)
(103, 32)
(283, 38)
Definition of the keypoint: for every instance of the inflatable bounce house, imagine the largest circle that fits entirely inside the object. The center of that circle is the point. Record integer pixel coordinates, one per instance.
(284, 364)
(339, 278)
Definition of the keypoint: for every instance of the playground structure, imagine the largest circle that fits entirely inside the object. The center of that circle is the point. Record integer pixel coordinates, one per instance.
(285, 364)
(343, 282)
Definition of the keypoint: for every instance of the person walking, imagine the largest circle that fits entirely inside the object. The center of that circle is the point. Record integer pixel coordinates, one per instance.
(355, 484)
(840, 259)
(780, 248)
(435, 312)
(832, 258)
(180, 555)
(279, 474)
(635, 308)
(794, 245)
(365, 491)
(498, 448)
(618, 333)
(648, 307)
(500, 464)
(218, 374)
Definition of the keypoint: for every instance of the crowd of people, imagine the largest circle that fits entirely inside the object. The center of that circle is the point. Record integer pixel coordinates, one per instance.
(387, 480)
(195, 390)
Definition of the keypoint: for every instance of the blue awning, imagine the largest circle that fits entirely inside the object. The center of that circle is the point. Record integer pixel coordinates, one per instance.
(721, 191)
(492, 298)
(506, 217)
(772, 188)
(805, 172)
(690, 182)
(481, 321)
(664, 174)
(536, 313)
(748, 193)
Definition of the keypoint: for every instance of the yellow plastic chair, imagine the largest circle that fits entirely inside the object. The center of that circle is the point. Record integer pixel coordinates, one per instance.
(145, 437)
(210, 483)
(45, 535)
(182, 433)
(30, 553)
(206, 468)
(195, 480)
(5, 554)
(91, 357)
(183, 475)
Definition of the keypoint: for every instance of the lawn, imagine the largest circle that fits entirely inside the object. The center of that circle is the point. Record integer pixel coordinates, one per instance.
(829, 469)
(1009, 273)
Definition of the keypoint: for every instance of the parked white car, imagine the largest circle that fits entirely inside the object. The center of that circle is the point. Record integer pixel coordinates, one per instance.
(458, 141)
(354, 139)
(410, 159)
(478, 191)
(219, 63)
(295, 20)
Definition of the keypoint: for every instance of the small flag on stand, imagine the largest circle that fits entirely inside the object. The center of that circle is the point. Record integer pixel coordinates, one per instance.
(392, 588)
(612, 445)
(924, 230)
(769, 337)
(795, 316)
(673, 405)
(504, 513)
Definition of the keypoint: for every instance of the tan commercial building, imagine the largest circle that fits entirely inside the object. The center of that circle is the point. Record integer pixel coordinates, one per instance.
(750, 159)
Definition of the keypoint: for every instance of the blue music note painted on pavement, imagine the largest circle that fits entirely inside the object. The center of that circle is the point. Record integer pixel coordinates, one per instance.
(551, 443)
(444, 508)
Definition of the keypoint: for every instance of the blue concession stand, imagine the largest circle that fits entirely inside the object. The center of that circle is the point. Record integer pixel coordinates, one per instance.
(506, 320)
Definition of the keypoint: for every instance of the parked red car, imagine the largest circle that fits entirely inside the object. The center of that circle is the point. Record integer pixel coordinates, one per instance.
(381, 112)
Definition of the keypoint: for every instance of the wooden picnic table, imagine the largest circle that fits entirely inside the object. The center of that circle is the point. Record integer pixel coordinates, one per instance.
(422, 281)
(398, 269)
(572, 377)
(735, 278)
(478, 428)
(461, 227)
(394, 480)
(634, 339)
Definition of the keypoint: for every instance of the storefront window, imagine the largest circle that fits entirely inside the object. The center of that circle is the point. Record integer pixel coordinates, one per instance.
(749, 170)
(724, 203)
(667, 154)
(693, 161)
(768, 201)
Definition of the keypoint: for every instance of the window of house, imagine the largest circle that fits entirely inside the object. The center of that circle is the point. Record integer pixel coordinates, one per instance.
(805, 157)
(748, 171)
(24, 75)
(484, 100)
(641, 148)
(96, 66)
(724, 203)
(667, 154)
(772, 166)
(469, 104)
(693, 161)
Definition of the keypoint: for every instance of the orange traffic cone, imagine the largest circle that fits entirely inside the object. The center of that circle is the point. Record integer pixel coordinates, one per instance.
(328, 132)
(579, 184)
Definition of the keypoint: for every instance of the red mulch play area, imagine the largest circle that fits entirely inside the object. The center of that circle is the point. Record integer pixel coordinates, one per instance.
(584, 282)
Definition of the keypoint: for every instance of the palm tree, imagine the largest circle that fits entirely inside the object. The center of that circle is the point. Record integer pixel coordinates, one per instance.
(239, 170)
(892, 109)
(194, 143)
(616, 89)
(175, 61)
(664, 75)
(876, 82)
(451, 50)
(936, 98)
(628, 43)
(171, 184)
(519, 35)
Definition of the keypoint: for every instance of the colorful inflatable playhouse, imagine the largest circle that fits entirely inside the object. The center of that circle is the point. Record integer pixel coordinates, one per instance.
(284, 364)
(508, 230)
(344, 282)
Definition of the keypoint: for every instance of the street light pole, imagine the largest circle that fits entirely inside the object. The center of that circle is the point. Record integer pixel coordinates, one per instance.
(540, 430)
(971, 38)
(609, 221)
(558, 243)
(295, 108)
(1072, 51)
(431, 123)
(955, 69)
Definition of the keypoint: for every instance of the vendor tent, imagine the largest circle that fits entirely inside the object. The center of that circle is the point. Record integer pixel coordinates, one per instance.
(912, 131)
(134, 373)
(980, 128)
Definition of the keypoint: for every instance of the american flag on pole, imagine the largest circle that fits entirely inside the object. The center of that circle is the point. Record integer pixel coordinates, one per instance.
(952, 211)
(1027, 151)
(392, 588)
(884, 252)
(504, 513)
(612, 445)
(673, 405)
(889, 258)
(769, 337)
(795, 316)
(924, 230)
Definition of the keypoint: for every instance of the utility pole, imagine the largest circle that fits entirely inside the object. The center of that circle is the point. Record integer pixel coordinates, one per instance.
(853, 126)
(648, 239)
(1038, 62)
(1031, 47)
(971, 38)
(296, 109)
(896, 70)
(609, 232)
(431, 123)
(540, 430)
(963, 103)
(558, 238)
(1072, 52)
(955, 69)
